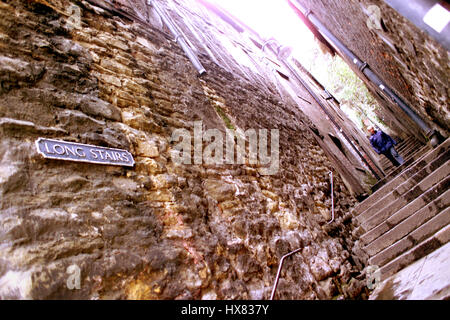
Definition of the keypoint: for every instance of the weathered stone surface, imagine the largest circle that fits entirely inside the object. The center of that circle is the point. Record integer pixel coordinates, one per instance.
(147, 147)
(16, 72)
(431, 272)
(159, 230)
(98, 107)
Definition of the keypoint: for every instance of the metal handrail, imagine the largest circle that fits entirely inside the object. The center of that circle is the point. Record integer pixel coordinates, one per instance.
(332, 198)
(279, 271)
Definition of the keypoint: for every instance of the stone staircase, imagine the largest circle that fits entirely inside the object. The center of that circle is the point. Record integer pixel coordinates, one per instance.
(408, 215)
(410, 159)
(410, 148)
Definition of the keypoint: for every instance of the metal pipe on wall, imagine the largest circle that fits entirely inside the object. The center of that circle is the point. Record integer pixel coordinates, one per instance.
(178, 38)
(433, 135)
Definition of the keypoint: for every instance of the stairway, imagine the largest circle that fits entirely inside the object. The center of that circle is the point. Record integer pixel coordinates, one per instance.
(410, 158)
(408, 215)
(410, 148)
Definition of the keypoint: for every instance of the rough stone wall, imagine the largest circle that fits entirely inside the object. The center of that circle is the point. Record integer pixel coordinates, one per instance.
(158, 230)
(412, 63)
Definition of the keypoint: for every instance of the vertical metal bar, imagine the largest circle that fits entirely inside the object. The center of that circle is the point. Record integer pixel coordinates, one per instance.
(332, 198)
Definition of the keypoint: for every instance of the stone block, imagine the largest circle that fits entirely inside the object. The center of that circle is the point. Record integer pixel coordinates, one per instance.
(147, 148)
(219, 190)
(160, 195)
(148, 166)
(115, 67)
(97, 107)
(140, 121)
(109, 79)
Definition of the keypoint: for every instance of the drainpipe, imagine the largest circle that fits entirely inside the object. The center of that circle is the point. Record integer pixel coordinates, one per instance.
(427, 15)
(433, 135)
(178, 38)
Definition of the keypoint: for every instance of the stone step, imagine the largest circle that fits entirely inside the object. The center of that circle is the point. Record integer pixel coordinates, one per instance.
(404, 149)
(391, 185)
(411, 148)
(405, 221)
(403, 145)
(407, 141)
(432, 226)
(418, 251)
(433, 187)
(397, 170)
(410, 156)
(436, 164)
(392, 171)
(431, 272)
(404, 183)
(395, 200)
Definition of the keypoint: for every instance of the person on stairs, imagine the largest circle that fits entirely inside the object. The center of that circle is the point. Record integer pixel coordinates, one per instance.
(382, 143)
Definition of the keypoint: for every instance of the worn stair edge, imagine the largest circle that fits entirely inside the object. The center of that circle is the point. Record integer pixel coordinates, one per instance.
(407, 154)
(395, 201)
(422, 174)
(408, 225)
(408, 162)
(402, 146)
(407, 150)
(408, 158)
(400, 224)
(438, 181)
(428, 278)
(411, 149)
(394, 171)
(406, 144)
(422, 249)
(406, 186)
(386, 188)
(432, 226)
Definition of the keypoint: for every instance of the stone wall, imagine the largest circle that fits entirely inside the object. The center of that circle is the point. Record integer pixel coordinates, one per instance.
(412, 63)
(158, 230)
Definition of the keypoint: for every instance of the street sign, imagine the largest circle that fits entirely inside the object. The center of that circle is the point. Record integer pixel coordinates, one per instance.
(70, 151)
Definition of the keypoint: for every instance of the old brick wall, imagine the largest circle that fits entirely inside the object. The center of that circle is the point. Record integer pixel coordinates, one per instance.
(158, 230)
(412, 63)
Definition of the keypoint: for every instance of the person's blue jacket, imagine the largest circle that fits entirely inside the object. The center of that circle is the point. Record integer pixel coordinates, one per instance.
(381, 142)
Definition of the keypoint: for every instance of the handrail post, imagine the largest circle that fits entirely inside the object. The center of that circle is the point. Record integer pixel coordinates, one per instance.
(332, 198)
(279, 271)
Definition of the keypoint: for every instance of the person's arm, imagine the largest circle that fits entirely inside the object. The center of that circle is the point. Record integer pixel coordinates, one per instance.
(393, 141)
(374, 146)
(389, 138)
